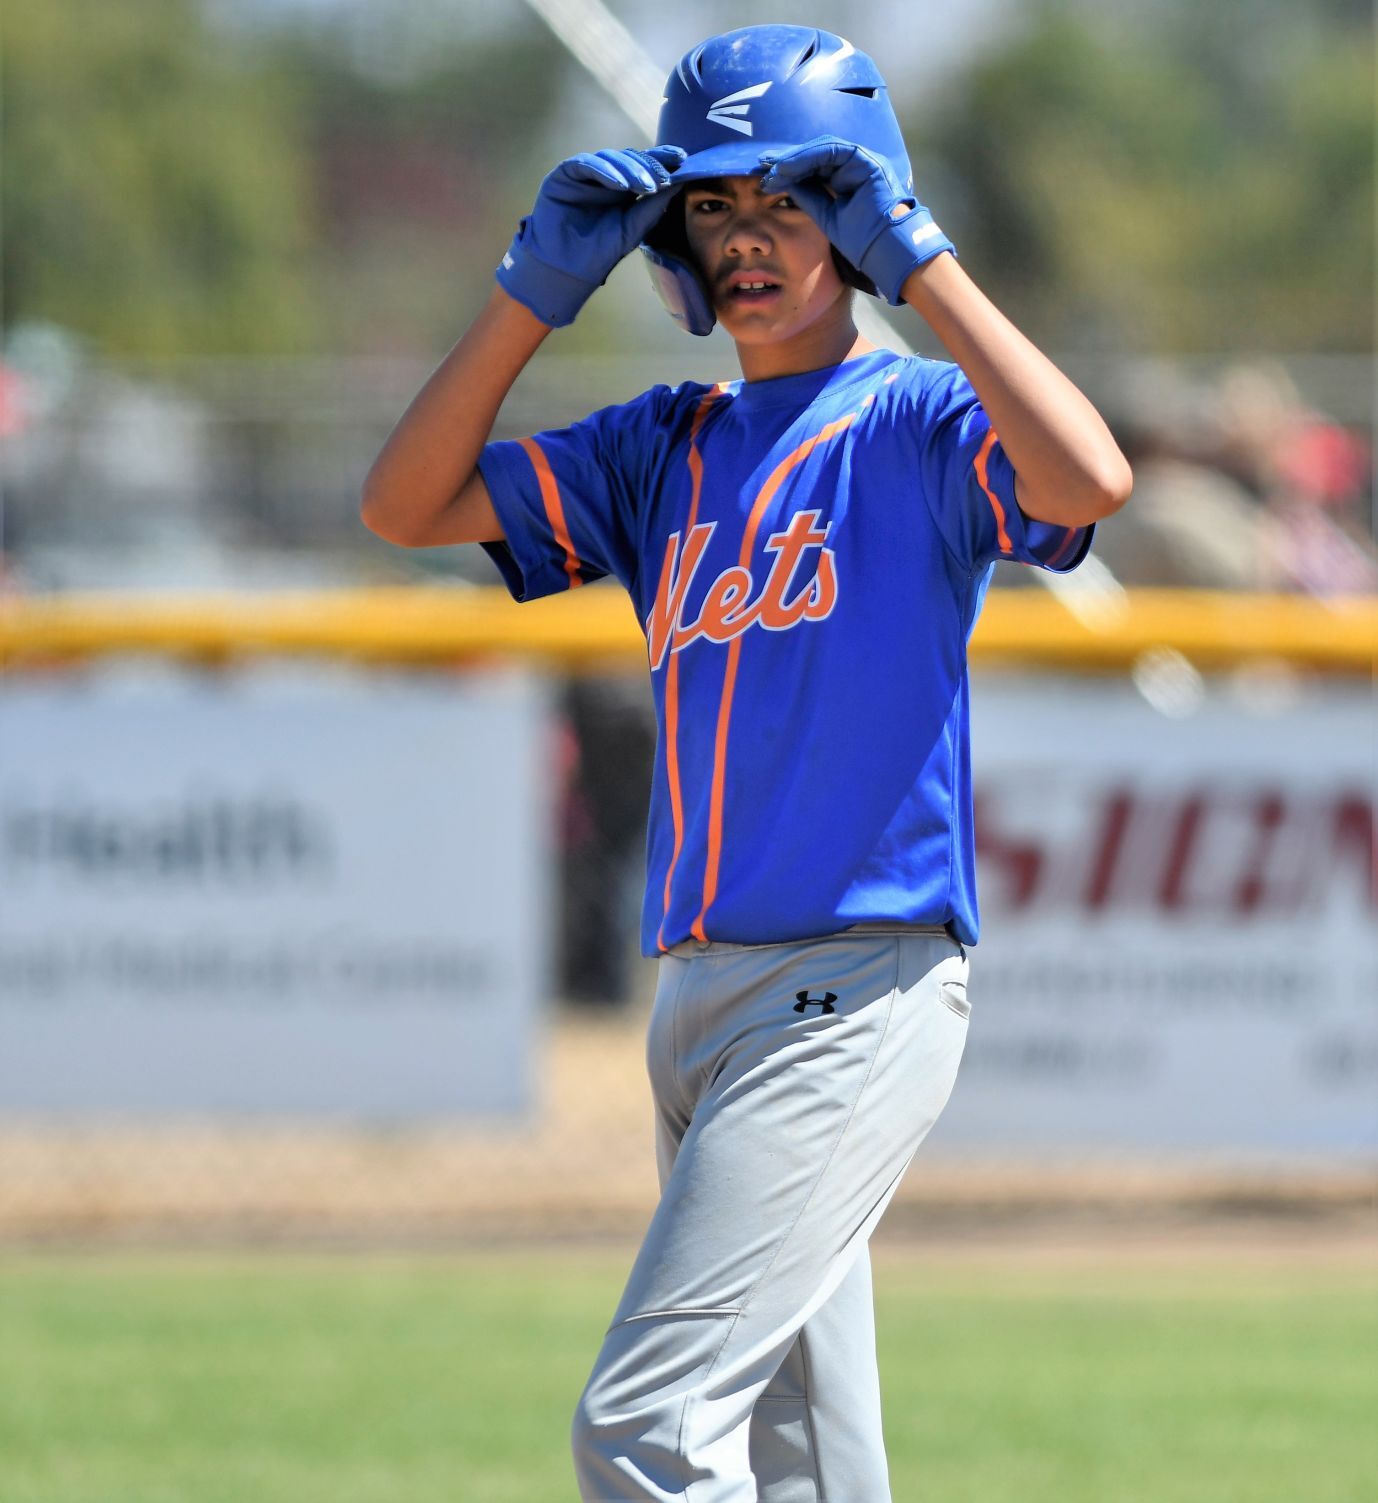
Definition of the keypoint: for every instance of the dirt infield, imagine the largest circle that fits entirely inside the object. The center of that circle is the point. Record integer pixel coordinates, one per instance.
(582, 1168)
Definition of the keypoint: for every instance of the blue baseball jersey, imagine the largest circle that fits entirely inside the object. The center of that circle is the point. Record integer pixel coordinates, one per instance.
(807, 557)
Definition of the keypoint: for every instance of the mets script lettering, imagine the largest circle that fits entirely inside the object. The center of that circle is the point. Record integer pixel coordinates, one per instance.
(732, 603)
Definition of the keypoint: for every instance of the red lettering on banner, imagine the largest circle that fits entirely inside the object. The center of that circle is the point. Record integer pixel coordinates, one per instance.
(1355, 827)
(728, 608)
(1109, 847)
(1269, 811)
(1181, 853)
(1020, 863)
(1217, 852)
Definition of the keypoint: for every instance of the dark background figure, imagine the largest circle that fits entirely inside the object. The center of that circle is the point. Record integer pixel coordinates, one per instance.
(608, 758)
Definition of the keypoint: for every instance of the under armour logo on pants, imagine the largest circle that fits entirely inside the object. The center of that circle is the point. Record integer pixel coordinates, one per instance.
(825, 1002)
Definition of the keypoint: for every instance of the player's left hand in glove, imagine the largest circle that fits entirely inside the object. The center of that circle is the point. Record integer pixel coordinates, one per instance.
(854, 199)
(590, 211)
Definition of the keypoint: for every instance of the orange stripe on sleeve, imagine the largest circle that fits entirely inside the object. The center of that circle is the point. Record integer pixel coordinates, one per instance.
(672, 668)
(1066, 548)
(554, 508)
(734, 651)
(981, 464)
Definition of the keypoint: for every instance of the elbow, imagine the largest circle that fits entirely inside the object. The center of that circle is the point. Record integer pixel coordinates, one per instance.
(1110, 488)
(1089, 497)
(1100, 493)
(379, 517)
(372, 511)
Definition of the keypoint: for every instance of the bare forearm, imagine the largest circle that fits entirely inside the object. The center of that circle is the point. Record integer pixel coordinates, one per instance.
(1069, 469)
(430, 456)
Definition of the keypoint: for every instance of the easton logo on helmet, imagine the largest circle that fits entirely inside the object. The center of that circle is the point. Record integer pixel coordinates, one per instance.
(722, 111)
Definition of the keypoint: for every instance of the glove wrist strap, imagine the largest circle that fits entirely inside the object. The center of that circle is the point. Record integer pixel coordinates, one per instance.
(554, 296)
(900, 248)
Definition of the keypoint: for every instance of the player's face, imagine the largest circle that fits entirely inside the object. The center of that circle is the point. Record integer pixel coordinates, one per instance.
(768, 265)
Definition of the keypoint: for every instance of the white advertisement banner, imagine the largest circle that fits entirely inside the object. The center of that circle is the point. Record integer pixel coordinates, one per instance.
(1178, 924)
(273, 894)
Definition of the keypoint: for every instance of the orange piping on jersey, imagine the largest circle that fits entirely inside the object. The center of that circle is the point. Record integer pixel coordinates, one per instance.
(734, 652)
(1066, 547)
(672, 666)
(981, 461)
(554, 508)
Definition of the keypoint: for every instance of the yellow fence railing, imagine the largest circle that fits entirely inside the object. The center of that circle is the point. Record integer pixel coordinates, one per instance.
(596, 628)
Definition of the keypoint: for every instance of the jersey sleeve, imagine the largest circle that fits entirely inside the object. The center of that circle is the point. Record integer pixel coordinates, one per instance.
(566, 499)
(968, 483)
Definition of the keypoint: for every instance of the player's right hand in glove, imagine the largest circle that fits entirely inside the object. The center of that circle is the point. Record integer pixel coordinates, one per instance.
(590, 212)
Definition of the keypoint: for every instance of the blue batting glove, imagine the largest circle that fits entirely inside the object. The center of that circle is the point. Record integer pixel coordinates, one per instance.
(857, 203)
(590, 212)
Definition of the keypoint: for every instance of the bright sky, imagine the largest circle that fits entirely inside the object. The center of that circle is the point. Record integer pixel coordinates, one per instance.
(915, 41)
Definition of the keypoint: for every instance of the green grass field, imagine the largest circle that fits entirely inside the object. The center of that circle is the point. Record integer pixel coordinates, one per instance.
(369, 1379)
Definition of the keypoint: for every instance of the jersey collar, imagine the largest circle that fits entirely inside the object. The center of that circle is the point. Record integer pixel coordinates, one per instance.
(800, 390)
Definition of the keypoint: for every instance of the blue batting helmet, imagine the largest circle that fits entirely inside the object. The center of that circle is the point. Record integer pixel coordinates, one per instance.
(762, 89)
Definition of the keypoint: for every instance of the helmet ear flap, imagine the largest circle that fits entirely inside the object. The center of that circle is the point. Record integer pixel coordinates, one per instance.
(668, 234)
(682, 290)
(675, 275)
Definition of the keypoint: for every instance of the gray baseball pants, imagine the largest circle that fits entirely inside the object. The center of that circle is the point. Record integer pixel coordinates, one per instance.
(792, 1085)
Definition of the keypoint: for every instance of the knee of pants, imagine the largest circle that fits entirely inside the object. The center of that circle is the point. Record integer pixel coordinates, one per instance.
(611, 1416)
(646, 1385)
(614, 1445)
(608, 1418)
(583, 1431)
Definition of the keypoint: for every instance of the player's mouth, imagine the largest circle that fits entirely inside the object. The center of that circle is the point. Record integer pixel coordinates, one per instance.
(748, 289)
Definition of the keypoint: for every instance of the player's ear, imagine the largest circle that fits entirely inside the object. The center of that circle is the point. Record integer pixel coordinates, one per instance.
(850, 275)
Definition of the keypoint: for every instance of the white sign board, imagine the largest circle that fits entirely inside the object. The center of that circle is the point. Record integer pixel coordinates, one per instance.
(272, 895)
(1178, 924)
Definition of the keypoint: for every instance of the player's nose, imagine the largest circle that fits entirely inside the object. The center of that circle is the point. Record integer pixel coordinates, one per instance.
(747, 236)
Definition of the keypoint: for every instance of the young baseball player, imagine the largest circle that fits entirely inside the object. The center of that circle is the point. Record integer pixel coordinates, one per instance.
(807, 549)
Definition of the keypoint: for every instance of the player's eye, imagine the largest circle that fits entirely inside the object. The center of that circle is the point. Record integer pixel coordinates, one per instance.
(785, 202)
(706, 205)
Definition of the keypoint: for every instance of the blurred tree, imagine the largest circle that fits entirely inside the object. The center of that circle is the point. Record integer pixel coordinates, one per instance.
(174, 183)
(422, 174)
(1197, 179)
(155, 196)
